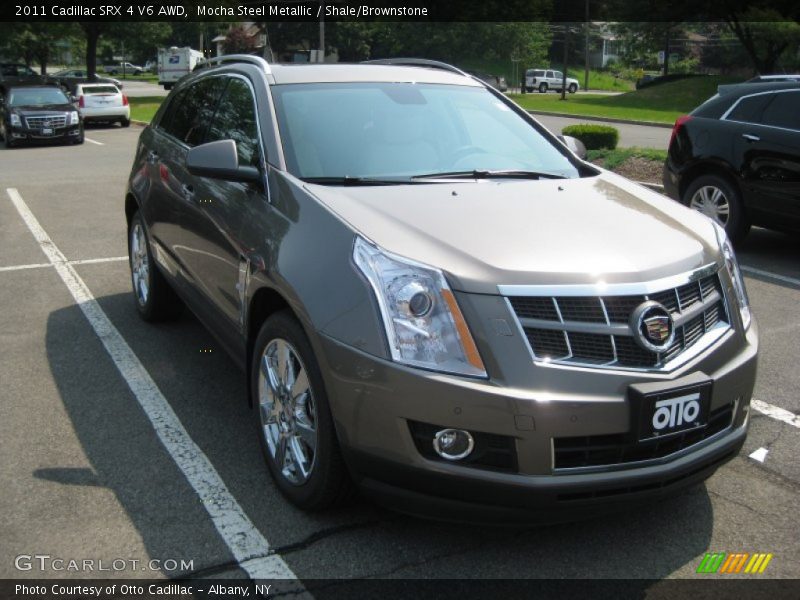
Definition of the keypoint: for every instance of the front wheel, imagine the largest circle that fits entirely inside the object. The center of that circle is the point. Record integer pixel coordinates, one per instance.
(720, 200)
(572, 88)
(293, 417)
(155, 299)
(542, 88)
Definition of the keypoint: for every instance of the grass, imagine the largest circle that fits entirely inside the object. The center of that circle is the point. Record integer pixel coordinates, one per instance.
(611, 159)
(658, 104)
(598, 80)
(144, 108)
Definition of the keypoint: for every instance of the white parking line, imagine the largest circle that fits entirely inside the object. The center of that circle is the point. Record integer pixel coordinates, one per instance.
(91, 141)
(86, 261)
(776, 412)
(248, 546)
(770, 275)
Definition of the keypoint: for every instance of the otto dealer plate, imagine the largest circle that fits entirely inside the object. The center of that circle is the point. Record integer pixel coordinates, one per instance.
(673, 411)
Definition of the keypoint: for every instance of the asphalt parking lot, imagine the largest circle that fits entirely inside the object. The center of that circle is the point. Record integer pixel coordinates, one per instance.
(90, 471)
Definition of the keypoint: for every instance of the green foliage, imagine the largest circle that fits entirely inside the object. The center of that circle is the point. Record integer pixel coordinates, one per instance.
(144, 108)
(594, 137)
(659, 104)
(611, 159)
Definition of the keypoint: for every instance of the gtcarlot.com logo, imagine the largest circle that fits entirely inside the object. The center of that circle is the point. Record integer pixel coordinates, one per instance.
(45, 562)
(740, 562)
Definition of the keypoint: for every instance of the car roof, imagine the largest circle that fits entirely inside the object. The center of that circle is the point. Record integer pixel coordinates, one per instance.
(726, 95)
(354, 73)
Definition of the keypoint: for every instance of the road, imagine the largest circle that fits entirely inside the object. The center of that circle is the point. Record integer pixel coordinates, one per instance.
(643, 136)
(90, 472)
(138, 89)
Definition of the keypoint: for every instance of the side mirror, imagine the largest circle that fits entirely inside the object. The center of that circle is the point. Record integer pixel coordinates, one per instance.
(575, 145)
(219, 160)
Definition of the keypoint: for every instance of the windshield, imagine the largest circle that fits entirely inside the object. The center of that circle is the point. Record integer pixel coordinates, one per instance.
(36, 97)
(379, 130)
(100, 89)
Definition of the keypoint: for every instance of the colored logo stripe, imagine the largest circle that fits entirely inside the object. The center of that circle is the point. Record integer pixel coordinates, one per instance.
(722, 562)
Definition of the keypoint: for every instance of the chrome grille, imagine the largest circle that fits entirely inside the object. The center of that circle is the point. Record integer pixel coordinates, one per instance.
(595, 330)
(55, 121)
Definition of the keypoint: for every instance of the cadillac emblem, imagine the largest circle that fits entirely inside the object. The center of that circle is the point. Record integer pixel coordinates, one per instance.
(652, 326)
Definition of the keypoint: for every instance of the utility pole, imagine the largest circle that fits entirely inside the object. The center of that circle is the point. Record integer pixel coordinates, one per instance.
(566, 62)
(322, 31)
(586, 48)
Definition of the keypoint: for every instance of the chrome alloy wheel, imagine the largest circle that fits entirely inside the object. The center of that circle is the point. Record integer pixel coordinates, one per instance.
(140, 265)
(287, 411)
(712, 202)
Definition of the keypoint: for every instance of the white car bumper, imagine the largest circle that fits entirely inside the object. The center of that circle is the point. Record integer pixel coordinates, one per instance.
(106, 112)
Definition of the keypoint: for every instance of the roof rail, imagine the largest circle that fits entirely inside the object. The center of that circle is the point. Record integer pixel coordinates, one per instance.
(417, 62)
(235, 58)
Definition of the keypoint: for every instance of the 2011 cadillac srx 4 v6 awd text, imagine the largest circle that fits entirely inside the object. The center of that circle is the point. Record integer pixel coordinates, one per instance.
(435, 300)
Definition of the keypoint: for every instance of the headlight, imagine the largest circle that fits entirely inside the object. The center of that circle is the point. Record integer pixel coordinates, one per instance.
(424, 325)
(74, 119)
(15, 120)
(735, 273)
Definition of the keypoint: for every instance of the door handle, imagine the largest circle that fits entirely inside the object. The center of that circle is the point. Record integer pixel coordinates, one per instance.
(188, 191)
(152, 157)
(751, 138)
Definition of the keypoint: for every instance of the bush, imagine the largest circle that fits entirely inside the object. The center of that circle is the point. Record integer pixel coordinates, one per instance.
(594, 137)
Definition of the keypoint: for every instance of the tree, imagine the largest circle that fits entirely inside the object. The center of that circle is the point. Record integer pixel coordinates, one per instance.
(239, 41)
(764, 36)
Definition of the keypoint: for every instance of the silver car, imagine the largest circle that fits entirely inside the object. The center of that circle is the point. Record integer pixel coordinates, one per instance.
(545, 80)
(433, 299)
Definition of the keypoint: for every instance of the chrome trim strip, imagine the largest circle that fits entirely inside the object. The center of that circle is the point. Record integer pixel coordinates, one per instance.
(697, 309)
(610, 289)
(577, 326)
(724, 116)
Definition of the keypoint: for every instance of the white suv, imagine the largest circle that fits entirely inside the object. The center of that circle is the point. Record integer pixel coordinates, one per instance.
(548, 79)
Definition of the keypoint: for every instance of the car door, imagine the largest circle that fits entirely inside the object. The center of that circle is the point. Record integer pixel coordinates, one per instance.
(558, 79)
(173, 211)
(550, 78)
(219, 258)
(770, 154)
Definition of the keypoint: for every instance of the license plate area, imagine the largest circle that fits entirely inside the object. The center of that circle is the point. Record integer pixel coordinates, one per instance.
(665, 413)
(47, 131)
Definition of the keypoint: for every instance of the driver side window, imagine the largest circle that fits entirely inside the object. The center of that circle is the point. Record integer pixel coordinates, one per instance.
(235, 120)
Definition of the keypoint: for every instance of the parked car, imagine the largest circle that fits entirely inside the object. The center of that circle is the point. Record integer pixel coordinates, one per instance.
(736, 158)
(774, 78)
(124, 68)
(39, 114)
(15, 74)
(496, 81)
(433, 297)
(69, 78)
(545, 80)
(99, 102)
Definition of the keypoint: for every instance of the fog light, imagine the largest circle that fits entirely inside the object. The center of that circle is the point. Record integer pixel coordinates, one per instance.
(453, 444)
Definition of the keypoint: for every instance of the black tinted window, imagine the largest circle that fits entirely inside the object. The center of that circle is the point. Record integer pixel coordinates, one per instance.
(782, 111)
(192, 111)
(236, 120)
(749, 109)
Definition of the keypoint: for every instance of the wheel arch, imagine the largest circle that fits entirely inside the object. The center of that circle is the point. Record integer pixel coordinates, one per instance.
(710, 167)
(131, 206)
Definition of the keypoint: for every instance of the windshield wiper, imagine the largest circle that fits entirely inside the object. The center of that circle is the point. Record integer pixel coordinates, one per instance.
(489, 174)
(349, 180)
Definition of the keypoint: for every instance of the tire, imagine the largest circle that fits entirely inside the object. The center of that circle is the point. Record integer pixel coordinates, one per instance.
(542, 88)
(312, 474)
(529, 90)
(154, 298)
(79, 139)
(718, 198)
(125, 122)
(572, 88)
(9, 143)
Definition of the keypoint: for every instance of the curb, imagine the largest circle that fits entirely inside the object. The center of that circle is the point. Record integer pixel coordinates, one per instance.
(140, 123)
(656, 187)
(602, 119)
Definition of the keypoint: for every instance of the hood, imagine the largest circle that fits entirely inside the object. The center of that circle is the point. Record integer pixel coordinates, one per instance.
(500, 232)
(44, 108)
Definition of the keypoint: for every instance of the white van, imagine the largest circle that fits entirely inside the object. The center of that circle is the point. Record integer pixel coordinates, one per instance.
(174, 63)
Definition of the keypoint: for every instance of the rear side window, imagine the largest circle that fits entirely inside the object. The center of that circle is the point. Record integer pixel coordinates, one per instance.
(236, 120)
(100, 89)
(782, 111)
(190, 112)
(749, 109)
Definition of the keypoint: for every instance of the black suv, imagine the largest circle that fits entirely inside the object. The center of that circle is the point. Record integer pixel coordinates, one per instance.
(736, 158)
(39, 113)
(16, 74)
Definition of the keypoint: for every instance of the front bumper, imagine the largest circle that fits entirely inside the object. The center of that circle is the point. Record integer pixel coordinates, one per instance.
(60, 134)
(375, 403)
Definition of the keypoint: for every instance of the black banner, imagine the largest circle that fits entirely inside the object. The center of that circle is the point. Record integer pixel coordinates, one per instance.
(573, 11)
